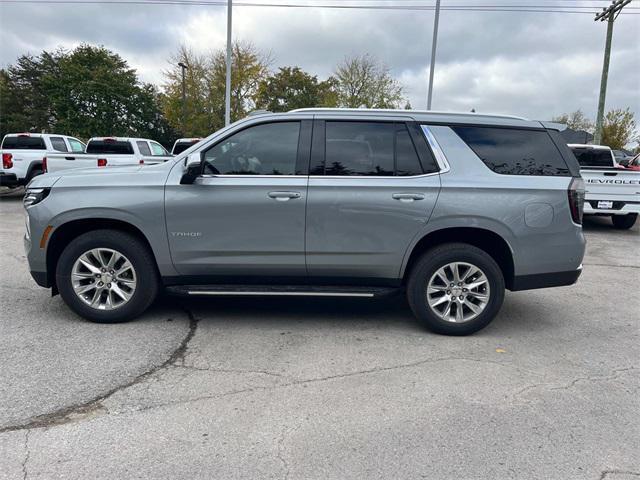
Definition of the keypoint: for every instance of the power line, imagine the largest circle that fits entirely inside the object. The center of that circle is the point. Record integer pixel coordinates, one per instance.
(467, 8)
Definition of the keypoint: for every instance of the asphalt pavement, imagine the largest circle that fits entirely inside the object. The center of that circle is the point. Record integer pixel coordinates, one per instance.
(324, 388)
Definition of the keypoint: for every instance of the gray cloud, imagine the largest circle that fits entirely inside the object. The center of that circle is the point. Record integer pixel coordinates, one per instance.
(535, 65)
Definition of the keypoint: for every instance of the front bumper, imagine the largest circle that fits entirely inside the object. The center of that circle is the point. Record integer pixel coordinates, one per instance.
(8, 180)
(41, 278)
(37, 261)
(546, 280)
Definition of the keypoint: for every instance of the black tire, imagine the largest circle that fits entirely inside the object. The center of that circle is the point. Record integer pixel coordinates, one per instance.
(624, 222)
(434, 259)
(134, 250)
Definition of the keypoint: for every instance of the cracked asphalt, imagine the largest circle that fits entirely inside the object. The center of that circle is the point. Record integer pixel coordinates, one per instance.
(324, 389)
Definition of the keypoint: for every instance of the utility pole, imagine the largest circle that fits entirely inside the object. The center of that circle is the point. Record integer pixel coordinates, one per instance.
(184, 97)
(433, 53)
(609, 14)
(227, 88)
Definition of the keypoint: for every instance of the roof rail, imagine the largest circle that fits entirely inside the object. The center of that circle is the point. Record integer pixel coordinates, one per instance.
(253, 113)
(390, 110)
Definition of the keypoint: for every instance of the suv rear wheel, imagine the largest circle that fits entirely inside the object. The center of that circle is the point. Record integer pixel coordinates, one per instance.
(107, 276)
(455, 289)
(624, 222)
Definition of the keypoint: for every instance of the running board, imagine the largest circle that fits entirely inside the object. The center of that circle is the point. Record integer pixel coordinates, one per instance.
(280, 290)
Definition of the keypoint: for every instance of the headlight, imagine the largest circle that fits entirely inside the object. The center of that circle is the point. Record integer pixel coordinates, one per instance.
(35, 195)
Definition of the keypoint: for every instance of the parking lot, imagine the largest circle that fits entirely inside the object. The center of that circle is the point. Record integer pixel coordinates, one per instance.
(331, 389)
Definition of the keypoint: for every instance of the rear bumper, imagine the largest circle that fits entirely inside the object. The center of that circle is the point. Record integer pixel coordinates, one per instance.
(546, 280)
(619, 208)
(8, 180)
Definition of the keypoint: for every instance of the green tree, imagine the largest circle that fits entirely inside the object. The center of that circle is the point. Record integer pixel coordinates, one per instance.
(25, 103)
(619, 128)
(248, 68)
(198, 115)
(292, 88)
(576, 121)
(87, 92)
(205, 87)
(363, 81)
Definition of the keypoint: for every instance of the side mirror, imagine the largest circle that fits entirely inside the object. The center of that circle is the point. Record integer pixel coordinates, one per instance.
(192, 168)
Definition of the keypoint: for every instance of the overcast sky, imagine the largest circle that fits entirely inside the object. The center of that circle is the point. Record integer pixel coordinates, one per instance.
(532, 64)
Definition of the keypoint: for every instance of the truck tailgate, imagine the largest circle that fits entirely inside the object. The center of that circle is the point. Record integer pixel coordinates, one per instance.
(611, 191)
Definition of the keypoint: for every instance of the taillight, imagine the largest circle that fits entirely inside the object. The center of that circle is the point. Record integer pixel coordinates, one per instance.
(7, 160)
(44, 164)
(102, 162)
(141, 162)
(576, 199)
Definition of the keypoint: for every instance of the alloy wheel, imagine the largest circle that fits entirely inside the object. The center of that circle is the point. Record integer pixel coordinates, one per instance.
(458, 292)
(103, 278)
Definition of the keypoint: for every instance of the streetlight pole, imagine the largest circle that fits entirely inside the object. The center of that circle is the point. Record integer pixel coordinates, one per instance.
(609, 14)
(433, 54)
(227, 88)
(184, 67)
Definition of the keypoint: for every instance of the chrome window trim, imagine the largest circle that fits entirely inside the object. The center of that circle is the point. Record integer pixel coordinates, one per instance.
(441, 158)
(211, 175)
(373, 177)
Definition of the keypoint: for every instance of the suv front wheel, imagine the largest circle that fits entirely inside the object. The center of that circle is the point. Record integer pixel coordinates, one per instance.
(107, 276)
(455, 289)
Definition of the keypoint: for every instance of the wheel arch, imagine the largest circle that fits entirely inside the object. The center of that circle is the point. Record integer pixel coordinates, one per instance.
(487, 240)
(66, 232)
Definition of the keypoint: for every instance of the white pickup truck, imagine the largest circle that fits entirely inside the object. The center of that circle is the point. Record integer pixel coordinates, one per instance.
(110, 152)
(24, 155)
(611, 190)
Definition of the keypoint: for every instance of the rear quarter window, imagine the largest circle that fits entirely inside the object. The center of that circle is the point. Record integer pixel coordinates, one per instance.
(23, 143)
(114, 147)
(513, 151)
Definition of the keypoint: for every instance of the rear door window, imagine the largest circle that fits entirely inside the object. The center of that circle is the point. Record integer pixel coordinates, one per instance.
(593, 157)
(108, 146)
(370, 149)
(359, 148)
(58, 144)
(407, 161)
(23, 142)
(144, 148)
(514, 151)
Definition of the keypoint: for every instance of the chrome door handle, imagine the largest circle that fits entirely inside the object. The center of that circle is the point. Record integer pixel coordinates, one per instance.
(283, 196)
(407, 197)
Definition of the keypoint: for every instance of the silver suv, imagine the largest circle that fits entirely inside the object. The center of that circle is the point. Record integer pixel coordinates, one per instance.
(451, 208)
